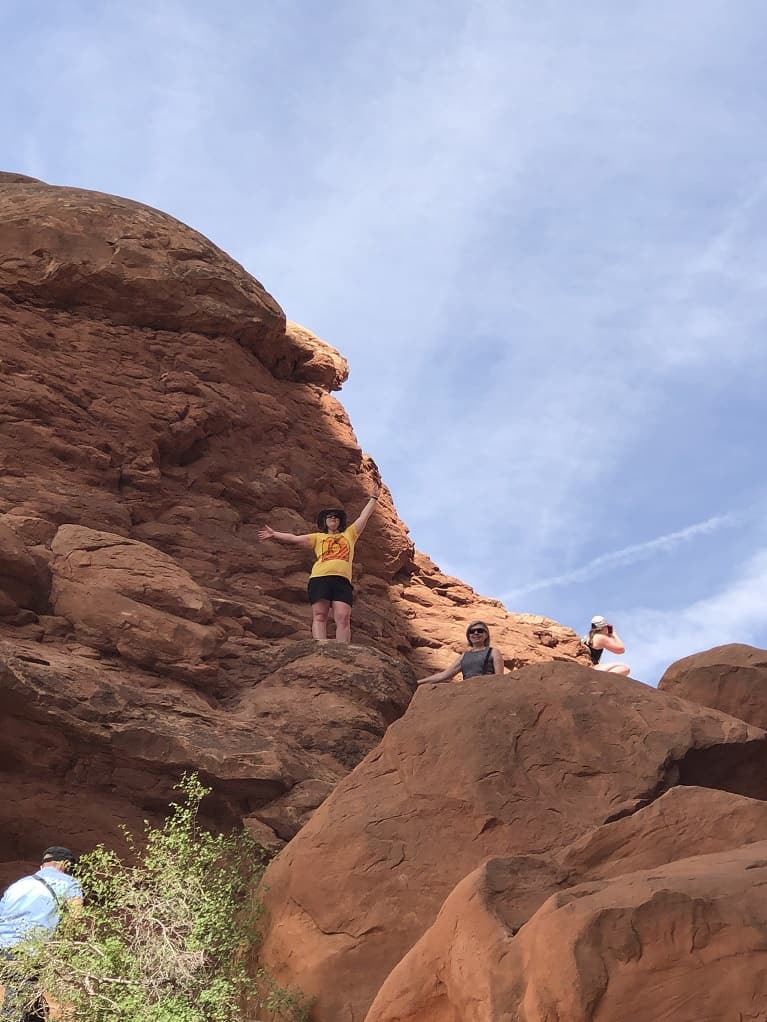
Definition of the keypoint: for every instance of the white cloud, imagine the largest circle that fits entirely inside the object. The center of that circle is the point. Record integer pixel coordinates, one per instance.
(712, 309)
(737, 613)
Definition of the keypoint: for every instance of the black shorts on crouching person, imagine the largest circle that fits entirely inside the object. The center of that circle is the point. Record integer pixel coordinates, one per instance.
(330, 587)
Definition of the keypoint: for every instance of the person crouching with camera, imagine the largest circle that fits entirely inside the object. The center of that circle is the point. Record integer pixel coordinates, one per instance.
(602, 636)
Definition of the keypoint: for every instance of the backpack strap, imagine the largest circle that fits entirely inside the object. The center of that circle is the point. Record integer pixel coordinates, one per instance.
(487, 660)
(50, 890)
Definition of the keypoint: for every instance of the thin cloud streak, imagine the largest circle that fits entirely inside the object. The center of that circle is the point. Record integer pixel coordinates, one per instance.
(628, 555)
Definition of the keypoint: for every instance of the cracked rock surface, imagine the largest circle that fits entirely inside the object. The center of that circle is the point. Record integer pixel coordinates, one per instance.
(604, 929)
(731, 678)
(520, 767)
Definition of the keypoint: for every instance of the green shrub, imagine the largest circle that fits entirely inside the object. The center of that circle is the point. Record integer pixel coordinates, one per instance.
(165, 939)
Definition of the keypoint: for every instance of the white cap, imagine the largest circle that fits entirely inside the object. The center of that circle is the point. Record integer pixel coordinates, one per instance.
(598, 621)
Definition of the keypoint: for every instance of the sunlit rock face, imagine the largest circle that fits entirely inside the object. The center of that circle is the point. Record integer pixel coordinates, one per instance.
(731, 678)
(157, 409)
(623, 918)
(564, 773)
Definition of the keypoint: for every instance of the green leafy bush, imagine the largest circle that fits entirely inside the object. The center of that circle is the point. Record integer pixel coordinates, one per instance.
(165, 939)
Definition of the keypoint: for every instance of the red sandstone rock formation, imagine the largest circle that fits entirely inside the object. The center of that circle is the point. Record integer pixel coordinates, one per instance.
(521, 766)
(522, 848)
(467, 965)
(683, 941)
(156, 409)
(730, 678)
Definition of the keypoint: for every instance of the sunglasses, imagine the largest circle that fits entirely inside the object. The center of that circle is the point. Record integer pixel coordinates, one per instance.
(477, 631)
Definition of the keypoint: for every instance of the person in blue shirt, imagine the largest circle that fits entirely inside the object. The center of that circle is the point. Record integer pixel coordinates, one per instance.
(30, 908)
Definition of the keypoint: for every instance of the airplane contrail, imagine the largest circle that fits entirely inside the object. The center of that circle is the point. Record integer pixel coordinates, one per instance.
(628, 555)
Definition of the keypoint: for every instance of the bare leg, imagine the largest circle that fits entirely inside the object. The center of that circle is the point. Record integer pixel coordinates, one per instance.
(623, 669)
(342, 615)
(320, 619)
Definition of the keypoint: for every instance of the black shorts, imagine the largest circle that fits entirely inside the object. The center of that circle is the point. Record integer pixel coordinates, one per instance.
(330, 587)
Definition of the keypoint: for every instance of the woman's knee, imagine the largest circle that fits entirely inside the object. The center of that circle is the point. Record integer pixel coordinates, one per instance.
(623, 669)
(342, 612)
(320, 610)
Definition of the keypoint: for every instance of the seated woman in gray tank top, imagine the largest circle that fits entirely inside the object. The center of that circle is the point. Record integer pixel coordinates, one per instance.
(480, 658)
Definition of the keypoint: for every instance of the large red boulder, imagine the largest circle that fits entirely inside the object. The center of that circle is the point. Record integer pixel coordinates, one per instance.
(101, 255)
(521, 765)
(123, 596)
(683, 941)
(466, 965)
(731, 678)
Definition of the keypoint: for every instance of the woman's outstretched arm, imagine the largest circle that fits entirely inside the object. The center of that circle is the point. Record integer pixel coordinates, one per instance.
(446, 675)
(498, 666)
(266, 532)
(367, 510)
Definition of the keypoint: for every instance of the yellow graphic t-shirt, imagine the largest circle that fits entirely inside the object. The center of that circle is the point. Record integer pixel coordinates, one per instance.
(334, 553)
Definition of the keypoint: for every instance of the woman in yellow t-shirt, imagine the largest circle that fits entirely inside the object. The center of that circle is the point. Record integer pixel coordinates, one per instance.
(330, 583)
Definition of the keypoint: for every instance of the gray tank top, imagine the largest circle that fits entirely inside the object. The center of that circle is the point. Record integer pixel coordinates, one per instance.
(473, 663)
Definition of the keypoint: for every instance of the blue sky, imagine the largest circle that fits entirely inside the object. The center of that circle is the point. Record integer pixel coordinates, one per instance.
(537, 232)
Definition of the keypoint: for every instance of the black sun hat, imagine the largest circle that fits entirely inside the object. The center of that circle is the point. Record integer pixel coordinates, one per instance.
(322, 517)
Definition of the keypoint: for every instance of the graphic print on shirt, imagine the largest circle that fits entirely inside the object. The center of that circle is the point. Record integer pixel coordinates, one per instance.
(335, 548)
